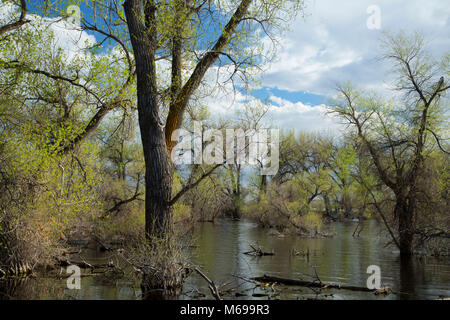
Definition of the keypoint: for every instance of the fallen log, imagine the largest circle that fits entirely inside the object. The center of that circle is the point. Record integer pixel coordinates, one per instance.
(305, 283)
(83, 264)
(82, 275)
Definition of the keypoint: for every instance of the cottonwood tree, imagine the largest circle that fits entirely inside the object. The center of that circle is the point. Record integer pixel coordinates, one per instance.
(64, 86)
(172, 47)
(400, 134)
(51, 99)
(151, 23)
(250, 119)
(340, 160)
(305, 160)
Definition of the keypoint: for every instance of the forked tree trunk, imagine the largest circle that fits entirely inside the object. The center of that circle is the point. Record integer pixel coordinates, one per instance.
(236, 210)
(157, 143)
(158, 167)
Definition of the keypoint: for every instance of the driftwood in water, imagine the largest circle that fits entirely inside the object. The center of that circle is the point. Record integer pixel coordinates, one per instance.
(82, 275)
(105, 269)
(84, 265)
(357, 232)
(259, 252)
(103, 247)
(305, 283)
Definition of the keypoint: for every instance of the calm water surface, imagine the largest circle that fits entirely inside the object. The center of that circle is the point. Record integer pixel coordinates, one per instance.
(219, 253)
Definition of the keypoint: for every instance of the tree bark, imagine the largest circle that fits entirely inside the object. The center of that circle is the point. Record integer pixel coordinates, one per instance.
(158, 182)
(157, 141)
(404, 214)
(158, 167)
(177, 107)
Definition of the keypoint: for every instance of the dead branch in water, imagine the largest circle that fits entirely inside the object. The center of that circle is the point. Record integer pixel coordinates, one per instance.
(83, 264)
(82, 275)
(259, 252)
(356, 229)
(212, 285)
(305, 283)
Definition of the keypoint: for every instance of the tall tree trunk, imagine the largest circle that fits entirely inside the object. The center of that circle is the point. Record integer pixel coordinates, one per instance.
(158, 182)
(178, 105)
(404, 214)
(158, 166)
(407, 287)
(263, 185)
(328, 209)
(157, 143)
(236, 211)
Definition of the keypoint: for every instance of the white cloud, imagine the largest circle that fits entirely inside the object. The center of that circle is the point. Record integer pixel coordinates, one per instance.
(67, 36)
(288, 115)
(334, 44)
(282, 113)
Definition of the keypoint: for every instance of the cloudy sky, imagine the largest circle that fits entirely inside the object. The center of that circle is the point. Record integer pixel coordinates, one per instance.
(331, 44)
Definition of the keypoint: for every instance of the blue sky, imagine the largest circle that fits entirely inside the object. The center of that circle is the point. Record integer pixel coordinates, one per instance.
(333, 44)
(292, 96)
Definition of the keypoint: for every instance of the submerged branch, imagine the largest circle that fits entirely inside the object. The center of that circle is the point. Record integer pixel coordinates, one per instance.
(305, 283)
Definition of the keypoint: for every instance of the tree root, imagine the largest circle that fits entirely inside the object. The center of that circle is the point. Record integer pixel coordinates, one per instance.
(17, 270)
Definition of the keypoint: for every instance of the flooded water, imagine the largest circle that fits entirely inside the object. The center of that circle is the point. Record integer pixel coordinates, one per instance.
(219, 253)
(341, 259)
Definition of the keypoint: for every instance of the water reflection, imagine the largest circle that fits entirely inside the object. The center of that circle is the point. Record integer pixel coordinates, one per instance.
(341, 259)
(407, 278)
(219, 253)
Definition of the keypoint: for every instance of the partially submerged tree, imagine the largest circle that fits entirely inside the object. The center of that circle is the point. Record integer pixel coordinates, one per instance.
(191, 39)
(400, 134)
